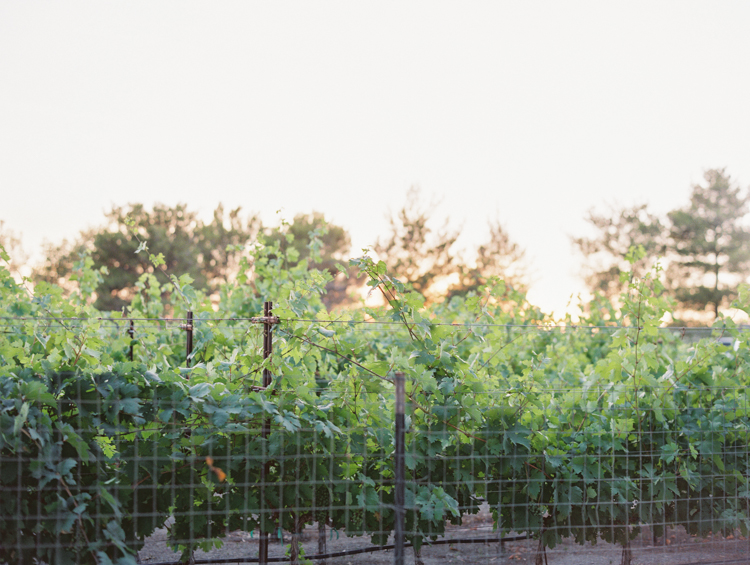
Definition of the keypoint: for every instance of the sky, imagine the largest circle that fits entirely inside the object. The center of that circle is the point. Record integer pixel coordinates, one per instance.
(528, 113)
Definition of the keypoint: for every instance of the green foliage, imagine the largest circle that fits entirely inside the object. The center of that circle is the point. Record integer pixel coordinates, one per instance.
(322, 245)
(12, 252)
(418, 253)
(711, 243)
(704, 247)
(616, 233)
(314, 240)
(565, 432)
(499, 257)
(207, 252)
(423, 257)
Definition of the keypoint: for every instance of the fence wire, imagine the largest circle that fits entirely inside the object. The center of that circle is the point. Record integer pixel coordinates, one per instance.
(122, 466)
(165, 468)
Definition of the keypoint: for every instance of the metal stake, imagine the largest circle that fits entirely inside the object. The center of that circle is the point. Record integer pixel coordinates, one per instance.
(267, 351)
(400, 471)
(267, 340)
(189, 329)
(131, 333)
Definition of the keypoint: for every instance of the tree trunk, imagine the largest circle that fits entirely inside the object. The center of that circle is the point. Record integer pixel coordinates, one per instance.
(322, 540)
(295, 539)
(541, 554)
(627, 554)
(418, 556)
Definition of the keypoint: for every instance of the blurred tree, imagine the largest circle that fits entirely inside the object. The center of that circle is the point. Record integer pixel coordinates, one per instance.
(709, 244)
(334, 240)
(413, 251)
(11, 242)
(205, 251)
(333, 244)
(616, 233)
(498, 257)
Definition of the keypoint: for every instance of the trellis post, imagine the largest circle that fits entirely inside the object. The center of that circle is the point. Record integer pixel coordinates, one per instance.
(131, 333)
(189, 330)
(400, 471)
(267, 352)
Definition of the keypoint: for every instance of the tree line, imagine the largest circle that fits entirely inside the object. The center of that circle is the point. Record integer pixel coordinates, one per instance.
(210, 251)
(703, 247)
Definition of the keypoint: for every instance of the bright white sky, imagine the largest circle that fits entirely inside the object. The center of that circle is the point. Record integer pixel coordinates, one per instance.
(528, 112)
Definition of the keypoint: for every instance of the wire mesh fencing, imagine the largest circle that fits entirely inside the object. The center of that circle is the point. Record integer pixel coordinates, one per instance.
(107, 467)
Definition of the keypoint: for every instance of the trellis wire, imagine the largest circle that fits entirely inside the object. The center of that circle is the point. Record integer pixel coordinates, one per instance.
(298, 449)
(299, 456)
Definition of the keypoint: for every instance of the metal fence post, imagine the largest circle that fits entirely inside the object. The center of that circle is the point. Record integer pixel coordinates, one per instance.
(399, 498)
(131, 333)
(189, 329)
(267, 351)
(267, 340)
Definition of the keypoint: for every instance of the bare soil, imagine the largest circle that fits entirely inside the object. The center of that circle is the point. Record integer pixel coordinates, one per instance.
(676, 548)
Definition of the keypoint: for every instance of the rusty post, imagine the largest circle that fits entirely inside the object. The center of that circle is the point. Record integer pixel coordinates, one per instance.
(267, 352)
(400, 470)
(131, 333)
(189, 330)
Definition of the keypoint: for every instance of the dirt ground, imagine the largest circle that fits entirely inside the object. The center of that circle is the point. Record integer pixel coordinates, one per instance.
(678, 548)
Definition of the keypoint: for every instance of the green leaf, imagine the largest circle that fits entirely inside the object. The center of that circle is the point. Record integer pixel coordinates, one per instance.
(220, 417)
(151, 376)
(93, 353)
(80, 446)
(20, 420)
(130, 406)
(65, 466)
(200, 390)
(325, 332)
(103, 559)
(36, 391)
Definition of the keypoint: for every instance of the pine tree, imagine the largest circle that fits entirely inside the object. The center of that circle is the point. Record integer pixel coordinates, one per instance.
(617, 232)
(709, 244)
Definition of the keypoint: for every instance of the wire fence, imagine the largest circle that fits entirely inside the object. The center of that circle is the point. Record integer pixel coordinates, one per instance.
(669, 487)
(97, 467)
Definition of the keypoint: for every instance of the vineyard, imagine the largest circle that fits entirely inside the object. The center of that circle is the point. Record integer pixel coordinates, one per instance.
(211, 417)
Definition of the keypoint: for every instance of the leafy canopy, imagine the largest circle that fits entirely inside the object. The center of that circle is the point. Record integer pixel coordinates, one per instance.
(426, 258)
(705, 246)
(710, 244)
(208, 252)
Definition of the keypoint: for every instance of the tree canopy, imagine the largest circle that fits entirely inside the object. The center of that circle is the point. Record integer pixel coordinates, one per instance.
(421, 255)
(206, 251)
(11, 242)
(709, 244)
(499, 256)
(616, 232)
(333, 241)
(414, 250)
(311, 234)
(704, 246)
